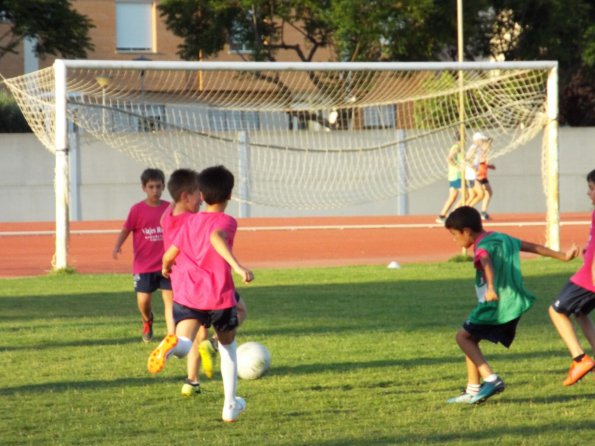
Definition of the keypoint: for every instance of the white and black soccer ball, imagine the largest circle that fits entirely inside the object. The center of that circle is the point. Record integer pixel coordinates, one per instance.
(254, 359)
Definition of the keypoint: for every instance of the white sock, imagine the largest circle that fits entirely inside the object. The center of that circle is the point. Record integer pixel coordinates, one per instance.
(472, 389)
(492, 378)
(182, 347)
(229, 370)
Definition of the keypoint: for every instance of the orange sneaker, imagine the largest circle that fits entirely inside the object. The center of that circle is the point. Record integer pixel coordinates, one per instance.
(578, 370)
(157, 358)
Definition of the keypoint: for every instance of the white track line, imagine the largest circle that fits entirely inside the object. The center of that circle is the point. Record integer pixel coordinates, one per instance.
(306, 228)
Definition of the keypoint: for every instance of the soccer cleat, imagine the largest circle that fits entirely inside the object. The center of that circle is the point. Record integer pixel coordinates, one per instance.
(148, 330)
(488, 389)
(157, 358)
(207, 356)
(232, 411)
(190, 389)
(464, 397)
(578, 370)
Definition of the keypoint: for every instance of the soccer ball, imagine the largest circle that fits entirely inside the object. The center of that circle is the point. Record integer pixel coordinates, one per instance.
(254, 360)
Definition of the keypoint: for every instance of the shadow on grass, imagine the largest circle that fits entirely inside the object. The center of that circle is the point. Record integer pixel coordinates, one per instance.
(46, 345)
(523, 434)
(58, 387)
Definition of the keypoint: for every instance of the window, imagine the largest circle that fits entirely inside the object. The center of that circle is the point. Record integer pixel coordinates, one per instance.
(380, 117)
(134, 25)
(237, 43)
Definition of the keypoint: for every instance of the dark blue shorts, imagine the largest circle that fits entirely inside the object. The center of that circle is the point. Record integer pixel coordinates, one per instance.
(574, 299)
(502, 333)
(150, 282)
(221, 320)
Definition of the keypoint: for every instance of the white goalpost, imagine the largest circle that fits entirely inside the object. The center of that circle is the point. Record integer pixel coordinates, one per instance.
(296, 135)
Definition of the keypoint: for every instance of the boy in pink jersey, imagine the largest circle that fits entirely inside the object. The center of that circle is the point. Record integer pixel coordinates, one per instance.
(578, 298)
(143, 222)
(183, 188)
(204, 292)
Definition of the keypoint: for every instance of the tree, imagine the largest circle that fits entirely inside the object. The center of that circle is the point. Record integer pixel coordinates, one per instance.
(403, 30)
(56, 27)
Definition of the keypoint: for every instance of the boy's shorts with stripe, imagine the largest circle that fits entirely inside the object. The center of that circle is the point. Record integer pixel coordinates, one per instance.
(502, 333)
(574, 299)
(150, 282)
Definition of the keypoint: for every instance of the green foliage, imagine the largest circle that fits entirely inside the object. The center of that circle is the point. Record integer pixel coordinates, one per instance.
(407, 30)
(56, 26)
(361, 356)
(11, 117)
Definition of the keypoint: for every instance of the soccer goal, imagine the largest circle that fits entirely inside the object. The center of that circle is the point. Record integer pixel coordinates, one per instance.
(296, 135)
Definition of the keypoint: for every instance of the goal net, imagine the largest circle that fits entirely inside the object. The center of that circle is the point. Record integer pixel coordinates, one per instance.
(309, 136)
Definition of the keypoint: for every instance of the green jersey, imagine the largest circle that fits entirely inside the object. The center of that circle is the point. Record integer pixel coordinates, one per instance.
(513, 298)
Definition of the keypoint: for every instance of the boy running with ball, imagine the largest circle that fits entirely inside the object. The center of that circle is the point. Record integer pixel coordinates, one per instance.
(204, 292)
(502, 298)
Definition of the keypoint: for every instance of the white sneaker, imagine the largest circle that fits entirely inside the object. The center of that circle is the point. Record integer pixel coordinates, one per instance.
(231, 412)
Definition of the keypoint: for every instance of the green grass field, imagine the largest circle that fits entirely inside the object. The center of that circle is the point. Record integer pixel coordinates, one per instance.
(361, 356)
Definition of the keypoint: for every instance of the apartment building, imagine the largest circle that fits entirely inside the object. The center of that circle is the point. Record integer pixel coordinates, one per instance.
(128, 30)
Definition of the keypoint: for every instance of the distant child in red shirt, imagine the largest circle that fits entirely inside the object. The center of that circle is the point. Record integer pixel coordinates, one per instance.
(578, 298)
(204, 292)
(147, 244)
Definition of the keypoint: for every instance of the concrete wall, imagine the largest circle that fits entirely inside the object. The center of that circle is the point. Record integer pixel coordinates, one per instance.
(109, 182)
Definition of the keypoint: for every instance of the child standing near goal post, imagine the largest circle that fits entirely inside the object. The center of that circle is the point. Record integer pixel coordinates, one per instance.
(502, 297)
(578, 298)
(204, 292)
(144, 222)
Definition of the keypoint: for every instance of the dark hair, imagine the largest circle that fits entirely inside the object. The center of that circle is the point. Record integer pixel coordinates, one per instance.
(216, 184)
(152, 175)
(591, 176)
(464, 217)
(182, 180)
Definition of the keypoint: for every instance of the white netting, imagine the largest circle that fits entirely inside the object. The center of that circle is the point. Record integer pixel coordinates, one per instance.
(321, 138)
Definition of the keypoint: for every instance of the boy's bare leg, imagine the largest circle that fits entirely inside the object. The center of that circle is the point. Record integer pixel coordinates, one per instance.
(452, 196)
(487, 197)
(143, 301)
(472, 371)
(168, 307)
(193, 365)
(588, 328)
(472, 352)
(565, 329)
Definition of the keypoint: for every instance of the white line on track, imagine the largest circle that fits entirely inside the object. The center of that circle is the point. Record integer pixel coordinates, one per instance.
(306, 228)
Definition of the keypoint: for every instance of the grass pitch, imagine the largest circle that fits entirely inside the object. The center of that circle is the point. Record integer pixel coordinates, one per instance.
(361, 356)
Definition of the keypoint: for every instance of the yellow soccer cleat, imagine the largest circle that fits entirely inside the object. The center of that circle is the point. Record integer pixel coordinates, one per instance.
(207, 357)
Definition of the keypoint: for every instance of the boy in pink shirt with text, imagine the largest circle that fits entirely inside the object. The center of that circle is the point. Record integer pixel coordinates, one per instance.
(144, 222)
(204, 292)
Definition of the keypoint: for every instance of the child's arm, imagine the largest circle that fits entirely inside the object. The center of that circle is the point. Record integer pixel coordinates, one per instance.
(488, 272)
(168, 260)
(219, 242)
(547, 252)
(122, 236)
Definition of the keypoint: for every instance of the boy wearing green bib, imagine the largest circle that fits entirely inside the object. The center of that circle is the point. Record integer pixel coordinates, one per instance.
(502, 297)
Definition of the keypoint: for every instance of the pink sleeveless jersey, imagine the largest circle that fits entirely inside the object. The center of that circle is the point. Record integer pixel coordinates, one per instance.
(147, 239)
(583, 277)
(203, 279)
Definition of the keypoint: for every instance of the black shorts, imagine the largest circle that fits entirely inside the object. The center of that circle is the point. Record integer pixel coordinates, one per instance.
(502, 333)
(149, 282)
(573, 299)
(221, 320)
(483, 181)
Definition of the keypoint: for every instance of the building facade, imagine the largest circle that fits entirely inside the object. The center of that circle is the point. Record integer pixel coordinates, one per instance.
(129, 30)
